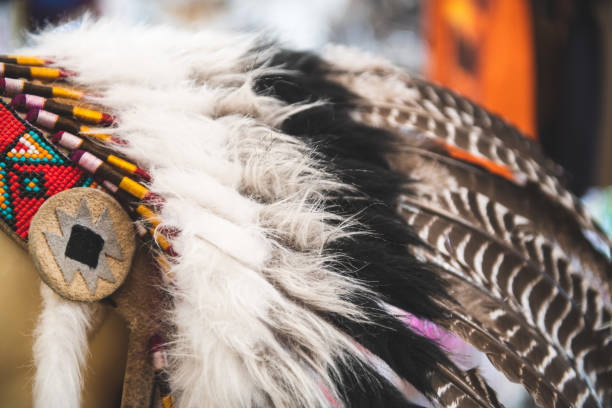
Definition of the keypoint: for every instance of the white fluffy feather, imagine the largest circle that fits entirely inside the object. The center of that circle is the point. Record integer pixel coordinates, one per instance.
(247, 202)
(60, 350)
(372, 77)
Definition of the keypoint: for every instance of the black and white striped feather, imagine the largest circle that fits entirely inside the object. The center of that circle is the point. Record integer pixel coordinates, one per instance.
(530, 287)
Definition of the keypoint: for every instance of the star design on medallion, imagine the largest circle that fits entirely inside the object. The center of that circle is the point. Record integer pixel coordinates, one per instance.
(84, 245)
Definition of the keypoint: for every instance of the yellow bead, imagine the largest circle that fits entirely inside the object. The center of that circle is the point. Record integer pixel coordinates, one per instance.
(67, 93)
(87, 114)
(28, 60)
(121, 164)
(133, 188)
(45, 73)
(168, 401)
(148, 215)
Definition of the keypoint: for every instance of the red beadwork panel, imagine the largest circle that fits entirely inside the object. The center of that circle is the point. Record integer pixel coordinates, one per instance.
(31, 170)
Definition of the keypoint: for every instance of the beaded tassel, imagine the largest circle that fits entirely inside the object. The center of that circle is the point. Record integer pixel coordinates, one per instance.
(27, 101)
(12, 86)
(19, 71)
(148, 215)
(149, 224)
(162, 261)
(160, 363)
(52, 121)
(24, 60)
(150, 220)
(104, 171)
(73, 142)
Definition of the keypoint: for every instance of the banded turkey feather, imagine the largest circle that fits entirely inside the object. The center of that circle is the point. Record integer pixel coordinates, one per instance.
(323, 210)
(450, 197)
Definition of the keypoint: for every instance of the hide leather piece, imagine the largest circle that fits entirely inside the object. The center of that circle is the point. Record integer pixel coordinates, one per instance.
(82, 243)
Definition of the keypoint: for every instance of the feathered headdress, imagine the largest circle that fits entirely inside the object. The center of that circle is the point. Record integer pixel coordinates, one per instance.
(312, 231)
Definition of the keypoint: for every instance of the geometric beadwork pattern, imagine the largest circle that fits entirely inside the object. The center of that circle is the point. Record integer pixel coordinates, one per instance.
(31, 170)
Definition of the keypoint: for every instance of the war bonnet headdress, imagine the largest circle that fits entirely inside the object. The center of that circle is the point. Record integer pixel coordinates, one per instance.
(308, 231)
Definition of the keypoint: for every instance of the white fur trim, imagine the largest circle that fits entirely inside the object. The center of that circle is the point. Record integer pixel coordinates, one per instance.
(60, 350)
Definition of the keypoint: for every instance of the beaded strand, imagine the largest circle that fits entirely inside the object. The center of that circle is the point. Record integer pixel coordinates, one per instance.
(90, 163)
(24, 60)
(12, 86)
(150, 221)
(28, 101)
(43, 73)
(53, 122)
(73, 142)
(160, 364)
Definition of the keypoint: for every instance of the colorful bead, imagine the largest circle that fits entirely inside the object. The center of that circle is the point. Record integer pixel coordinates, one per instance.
(18, 71)
(160, 364)
(24, 60)
(103, 171)
(12, 86)
(27, 101)
(148, 215)
(150, 221)
(67, 140)
(31, 170)
(51, 121)
(72, 142)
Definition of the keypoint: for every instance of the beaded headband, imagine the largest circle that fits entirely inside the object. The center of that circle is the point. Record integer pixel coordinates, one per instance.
(48, 155)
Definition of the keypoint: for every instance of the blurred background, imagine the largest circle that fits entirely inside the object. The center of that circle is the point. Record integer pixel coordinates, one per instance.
(544, 65)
